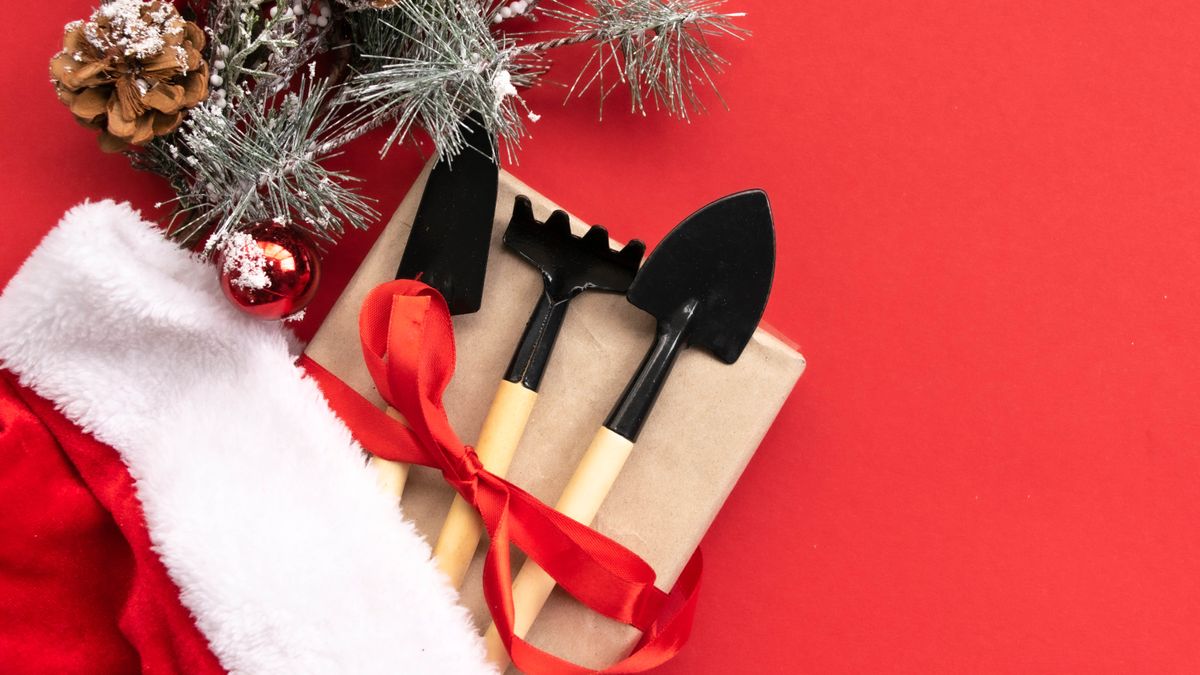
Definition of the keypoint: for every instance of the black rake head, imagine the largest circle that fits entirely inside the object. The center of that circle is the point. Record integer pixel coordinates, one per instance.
(571, 264)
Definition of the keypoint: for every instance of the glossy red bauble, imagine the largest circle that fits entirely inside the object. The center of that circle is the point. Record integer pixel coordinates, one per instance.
(269, 271)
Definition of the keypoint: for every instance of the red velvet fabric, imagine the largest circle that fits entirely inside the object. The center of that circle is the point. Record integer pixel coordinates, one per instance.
(81, 591)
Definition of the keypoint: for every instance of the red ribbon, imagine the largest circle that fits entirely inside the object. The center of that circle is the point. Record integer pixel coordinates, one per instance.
(408, 345)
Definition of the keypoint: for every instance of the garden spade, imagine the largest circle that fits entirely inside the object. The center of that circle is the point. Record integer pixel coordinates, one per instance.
(707, 284)
(569, 265)
(448, 245)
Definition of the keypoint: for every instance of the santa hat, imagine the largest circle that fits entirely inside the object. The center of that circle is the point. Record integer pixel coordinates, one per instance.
(271, 533)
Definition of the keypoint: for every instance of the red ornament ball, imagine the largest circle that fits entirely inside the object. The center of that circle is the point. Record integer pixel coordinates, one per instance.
(269, 271)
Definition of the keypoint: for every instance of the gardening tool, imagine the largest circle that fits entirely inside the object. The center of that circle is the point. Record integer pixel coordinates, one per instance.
(707, 284)
(570, 265)
(448, 245)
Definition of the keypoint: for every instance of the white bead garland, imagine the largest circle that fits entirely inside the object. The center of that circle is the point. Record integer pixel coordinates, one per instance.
(515, 8)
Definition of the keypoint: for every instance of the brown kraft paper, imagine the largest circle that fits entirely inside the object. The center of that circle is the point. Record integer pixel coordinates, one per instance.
(707, 423)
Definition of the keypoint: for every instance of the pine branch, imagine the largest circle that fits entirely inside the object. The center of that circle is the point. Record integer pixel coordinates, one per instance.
(249, 155)
(254, 152)
(433, 64)
(261, 165)
(262, 46)
(660, 49)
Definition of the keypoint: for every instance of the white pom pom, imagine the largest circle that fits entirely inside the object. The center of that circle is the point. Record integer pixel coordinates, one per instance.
(216, 80)
(322, 21)
(506, 12)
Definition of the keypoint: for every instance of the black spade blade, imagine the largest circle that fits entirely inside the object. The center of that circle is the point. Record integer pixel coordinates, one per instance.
(451, 233)
(722, 258)
(707, 283)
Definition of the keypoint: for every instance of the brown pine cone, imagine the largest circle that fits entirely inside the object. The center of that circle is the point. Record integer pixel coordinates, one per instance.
(131, 71)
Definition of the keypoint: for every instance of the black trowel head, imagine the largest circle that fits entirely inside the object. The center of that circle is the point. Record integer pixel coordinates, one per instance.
(571, 264)
(722, 258)
(452, 231)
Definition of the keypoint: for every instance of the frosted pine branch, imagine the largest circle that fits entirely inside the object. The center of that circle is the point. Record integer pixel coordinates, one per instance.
(433, 64)
(254, 151)
(261, 165)
(660, 49)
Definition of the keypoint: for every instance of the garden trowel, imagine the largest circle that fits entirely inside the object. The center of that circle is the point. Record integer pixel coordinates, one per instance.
(707, 284)
(448, 245)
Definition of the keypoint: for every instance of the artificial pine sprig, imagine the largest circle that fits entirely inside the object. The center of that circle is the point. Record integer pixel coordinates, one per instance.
(433, 64)
(659, 49)
(250, 164)
(435, 68)
(257, 52)
(254, 150)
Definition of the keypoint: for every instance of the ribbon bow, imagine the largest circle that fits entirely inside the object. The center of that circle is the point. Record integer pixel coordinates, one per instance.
(408, 345)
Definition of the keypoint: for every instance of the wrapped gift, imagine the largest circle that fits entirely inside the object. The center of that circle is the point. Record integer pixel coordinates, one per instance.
(707, 424)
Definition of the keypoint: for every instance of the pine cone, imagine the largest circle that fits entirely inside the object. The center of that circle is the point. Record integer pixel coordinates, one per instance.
(131, 71)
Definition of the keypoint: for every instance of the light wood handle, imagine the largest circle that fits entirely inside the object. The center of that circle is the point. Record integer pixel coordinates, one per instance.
(391, 475)
(498, 441)
(581, 499)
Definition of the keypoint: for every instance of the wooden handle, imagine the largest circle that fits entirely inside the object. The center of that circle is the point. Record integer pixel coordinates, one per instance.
(595, 476)
(498, 441)
(582, 498)
(391, 475)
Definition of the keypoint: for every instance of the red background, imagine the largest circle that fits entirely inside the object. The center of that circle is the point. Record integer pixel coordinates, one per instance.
(988, 250)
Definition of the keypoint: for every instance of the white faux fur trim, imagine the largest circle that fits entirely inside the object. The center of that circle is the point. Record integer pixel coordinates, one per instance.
(289, 556)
